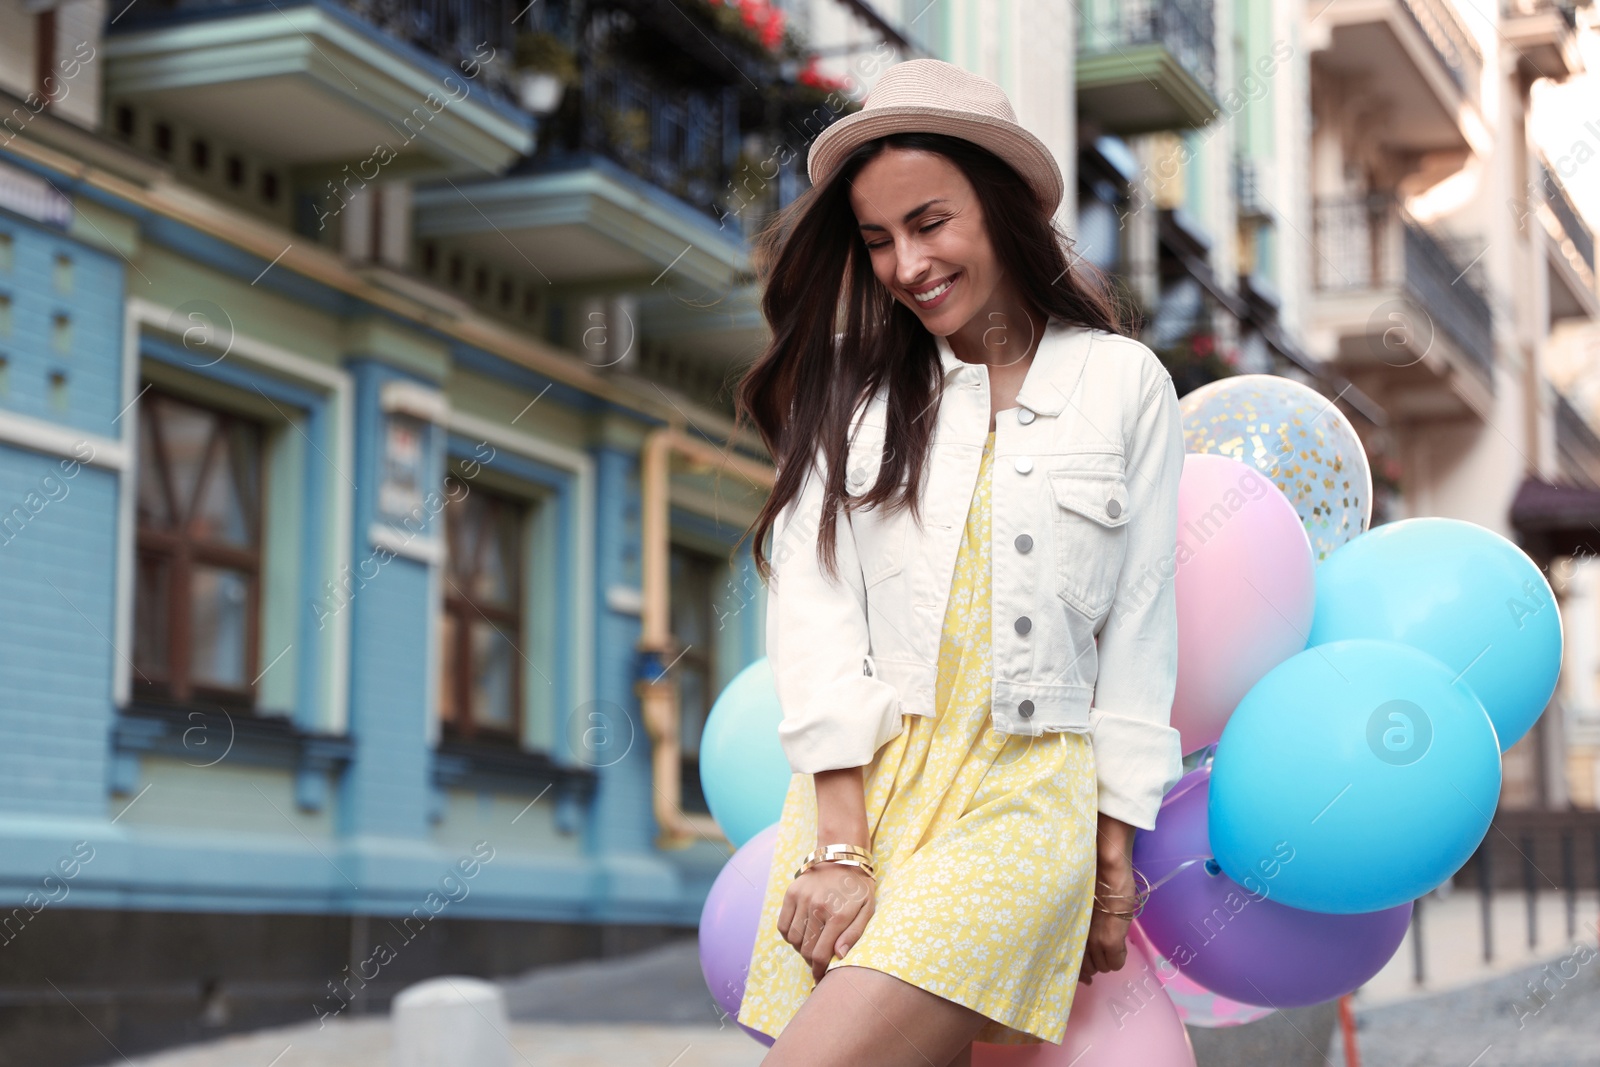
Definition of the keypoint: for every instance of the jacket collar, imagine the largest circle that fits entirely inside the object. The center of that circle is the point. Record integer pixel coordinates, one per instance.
(1051, 376)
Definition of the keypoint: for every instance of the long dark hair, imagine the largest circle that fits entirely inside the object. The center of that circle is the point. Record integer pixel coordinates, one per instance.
(815, 270)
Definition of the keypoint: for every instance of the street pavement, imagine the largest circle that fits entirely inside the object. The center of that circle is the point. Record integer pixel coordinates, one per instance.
(1535, 1006)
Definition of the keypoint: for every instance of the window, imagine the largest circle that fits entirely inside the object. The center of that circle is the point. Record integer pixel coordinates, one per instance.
(694, 624)
(198, 580)
(480, 686)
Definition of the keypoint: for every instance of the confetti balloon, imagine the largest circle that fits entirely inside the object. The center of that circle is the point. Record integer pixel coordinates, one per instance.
(1296, 437)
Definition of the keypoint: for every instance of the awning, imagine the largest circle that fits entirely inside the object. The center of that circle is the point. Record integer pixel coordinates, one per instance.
(1556, 520)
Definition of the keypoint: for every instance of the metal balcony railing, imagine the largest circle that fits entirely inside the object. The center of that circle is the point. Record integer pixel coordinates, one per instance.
(450, 30)
(1438, 21)
(1561, 206)
(1247, 179)
(684, 142)
(1567, 9)
(1186, 28)
(1369, 242)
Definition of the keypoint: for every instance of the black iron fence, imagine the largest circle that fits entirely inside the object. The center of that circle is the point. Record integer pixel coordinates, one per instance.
(1529, 853)
(685, 142)
(455, 31)
(1365, 242)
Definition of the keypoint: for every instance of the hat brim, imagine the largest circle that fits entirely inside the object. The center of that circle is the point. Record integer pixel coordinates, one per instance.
(1021, 150)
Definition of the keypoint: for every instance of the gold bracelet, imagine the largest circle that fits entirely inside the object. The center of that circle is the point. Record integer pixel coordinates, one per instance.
(1137, 874)
(1134, 914)
(849, 855)
(1139, 896)
(866, 868)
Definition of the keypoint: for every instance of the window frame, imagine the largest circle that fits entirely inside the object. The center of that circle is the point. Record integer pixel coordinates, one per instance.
(183, 555)
(459, 604)
(308, 407)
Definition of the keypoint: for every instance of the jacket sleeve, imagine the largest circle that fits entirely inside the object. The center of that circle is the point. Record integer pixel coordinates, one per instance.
(836, 712)
(1138, 753)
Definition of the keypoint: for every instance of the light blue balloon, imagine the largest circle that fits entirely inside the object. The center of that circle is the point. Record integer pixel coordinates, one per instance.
(743, 769)
(1459, 592)
(1353, 777)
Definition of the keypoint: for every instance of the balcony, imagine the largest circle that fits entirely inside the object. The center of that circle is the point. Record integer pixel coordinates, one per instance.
(1410, 68)
(1395, 311)
(626, 187)
(320, 83)
(1545, 36)
(1146, 65)
(1570, 251)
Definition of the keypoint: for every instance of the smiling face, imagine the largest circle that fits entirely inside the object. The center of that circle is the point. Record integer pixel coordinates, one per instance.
(924, 233)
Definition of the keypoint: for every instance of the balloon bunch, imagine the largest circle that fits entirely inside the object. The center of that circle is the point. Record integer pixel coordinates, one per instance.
(1352, 691)
(1343, 696)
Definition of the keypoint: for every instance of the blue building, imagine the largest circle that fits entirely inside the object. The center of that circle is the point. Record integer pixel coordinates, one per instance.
(365, 469)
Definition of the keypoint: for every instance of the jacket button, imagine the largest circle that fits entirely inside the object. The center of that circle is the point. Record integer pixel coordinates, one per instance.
(1024, 464)
(1025, 709)
(1024, 416)
(1113, 508)
(1023, 625)
(1024, 542)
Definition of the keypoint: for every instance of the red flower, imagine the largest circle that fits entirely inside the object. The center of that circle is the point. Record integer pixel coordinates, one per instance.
(1204, 344)
(810, 75)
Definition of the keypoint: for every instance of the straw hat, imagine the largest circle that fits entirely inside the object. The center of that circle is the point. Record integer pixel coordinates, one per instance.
(932, 96)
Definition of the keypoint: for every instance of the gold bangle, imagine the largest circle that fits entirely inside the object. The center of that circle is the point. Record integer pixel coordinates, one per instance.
(866, 868)
(1133, 914)
(1138, 875)
(830, 851)
(849, 855)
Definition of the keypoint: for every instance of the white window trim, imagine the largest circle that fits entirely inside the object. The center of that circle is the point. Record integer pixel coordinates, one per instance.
(581, 610)
(142, 315)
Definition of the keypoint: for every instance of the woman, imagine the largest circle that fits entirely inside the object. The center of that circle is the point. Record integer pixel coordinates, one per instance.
(974, 874)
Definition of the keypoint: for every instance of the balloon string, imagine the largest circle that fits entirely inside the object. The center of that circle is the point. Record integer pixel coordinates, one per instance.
(1164, 879)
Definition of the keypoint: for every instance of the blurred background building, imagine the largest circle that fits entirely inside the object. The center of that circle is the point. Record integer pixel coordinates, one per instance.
(369, 510)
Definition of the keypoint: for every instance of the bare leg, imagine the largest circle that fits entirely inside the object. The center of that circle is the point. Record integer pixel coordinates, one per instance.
(858, 1015)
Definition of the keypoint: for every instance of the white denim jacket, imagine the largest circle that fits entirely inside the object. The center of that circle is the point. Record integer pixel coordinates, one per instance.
(1084, 511)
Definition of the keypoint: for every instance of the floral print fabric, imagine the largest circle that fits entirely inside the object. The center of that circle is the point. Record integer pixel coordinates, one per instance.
(984, 845)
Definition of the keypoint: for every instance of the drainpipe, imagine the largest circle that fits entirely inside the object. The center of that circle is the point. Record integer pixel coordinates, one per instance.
(658, 649)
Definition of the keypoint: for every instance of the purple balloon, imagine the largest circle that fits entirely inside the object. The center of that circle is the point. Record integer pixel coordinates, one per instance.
(1234, 939)
(730, 920)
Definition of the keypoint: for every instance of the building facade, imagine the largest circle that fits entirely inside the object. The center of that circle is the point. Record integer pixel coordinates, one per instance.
(370, 512)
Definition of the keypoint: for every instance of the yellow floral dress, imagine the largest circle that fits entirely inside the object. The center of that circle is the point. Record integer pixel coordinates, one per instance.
(984, 845)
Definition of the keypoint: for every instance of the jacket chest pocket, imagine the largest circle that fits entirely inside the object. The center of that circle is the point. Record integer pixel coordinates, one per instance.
(1090, 513)
(880, 535)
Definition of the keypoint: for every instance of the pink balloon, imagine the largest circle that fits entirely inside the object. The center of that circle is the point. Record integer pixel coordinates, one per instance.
(1246, 589)
(1122, 1017)
(1197, 1005)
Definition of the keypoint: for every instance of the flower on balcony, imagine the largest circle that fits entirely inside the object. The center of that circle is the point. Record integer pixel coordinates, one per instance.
(544, 52)
(764, 20)
(811, 76)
